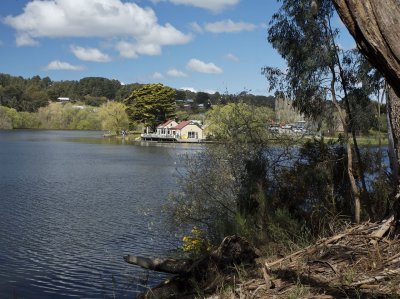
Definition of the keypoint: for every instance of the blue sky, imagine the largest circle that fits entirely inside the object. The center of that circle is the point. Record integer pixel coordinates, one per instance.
(204, 45)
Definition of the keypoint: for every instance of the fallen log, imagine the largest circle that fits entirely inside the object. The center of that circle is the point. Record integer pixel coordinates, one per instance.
(202, 272)
(383, 229)
(167, 265)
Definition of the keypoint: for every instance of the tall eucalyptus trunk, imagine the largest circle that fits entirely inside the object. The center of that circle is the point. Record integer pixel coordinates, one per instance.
(375, 26)
(350, 171)
(393, 107)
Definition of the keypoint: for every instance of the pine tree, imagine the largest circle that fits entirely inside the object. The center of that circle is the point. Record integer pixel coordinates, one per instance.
(151, 104)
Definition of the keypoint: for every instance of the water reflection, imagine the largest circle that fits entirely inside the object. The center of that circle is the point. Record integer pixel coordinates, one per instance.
(73, 203)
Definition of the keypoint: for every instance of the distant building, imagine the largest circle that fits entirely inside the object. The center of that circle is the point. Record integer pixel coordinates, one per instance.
(189, 130)
(185, 131)
(300, 124)
(63, 99)
(166, 128)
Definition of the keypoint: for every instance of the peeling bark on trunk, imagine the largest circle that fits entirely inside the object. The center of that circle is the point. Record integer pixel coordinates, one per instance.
(393, 107)
(354, 188)
(375, 25)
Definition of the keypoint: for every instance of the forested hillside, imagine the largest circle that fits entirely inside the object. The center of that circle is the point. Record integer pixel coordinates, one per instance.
(32, 93)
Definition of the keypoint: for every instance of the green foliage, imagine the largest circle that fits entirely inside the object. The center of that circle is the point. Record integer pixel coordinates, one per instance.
(99, 87)
(21, 94)
(304, 42)
(125, 91)
(12, 119)
(94, 100)
(238, 122)
(316, 188)
(180, 95)
(203, 98)
(288, 231)
(182, 115)
(365, 114)
(31, 94)
(113, 117)
(318, 70)
(68, 117)
(151, 104)
(207, 193)
(5, 121)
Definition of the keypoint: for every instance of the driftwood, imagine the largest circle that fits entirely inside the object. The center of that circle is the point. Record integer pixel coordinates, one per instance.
(171, 266)
(382, 229)
(346, 265)
(203, 271)
(362, 261)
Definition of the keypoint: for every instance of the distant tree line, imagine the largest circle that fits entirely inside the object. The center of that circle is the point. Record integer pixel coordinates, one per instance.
(32, 93)
(110, 116)
(29, 94)
(208, 99)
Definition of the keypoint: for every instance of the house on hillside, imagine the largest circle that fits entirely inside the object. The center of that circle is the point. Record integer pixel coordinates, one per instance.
(63, 99)
(185, 131)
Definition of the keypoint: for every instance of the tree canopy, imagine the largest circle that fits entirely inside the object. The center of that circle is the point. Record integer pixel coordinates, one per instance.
(151, 104)
(238, 122)
(113, 117)
(319, 71)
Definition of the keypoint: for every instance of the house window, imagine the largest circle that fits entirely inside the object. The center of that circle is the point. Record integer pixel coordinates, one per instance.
(193, 135)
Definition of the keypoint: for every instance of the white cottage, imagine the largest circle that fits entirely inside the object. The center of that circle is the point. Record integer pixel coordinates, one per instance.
(166, 128)
(185, 131)
(188, 130)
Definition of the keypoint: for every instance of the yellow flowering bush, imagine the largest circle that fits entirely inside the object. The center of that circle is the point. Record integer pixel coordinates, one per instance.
(196, 243)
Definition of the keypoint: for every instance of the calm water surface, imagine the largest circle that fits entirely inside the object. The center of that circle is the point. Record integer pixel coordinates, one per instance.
(72, 204)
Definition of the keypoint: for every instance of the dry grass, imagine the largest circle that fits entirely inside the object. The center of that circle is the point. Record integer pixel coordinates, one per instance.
(356, 263)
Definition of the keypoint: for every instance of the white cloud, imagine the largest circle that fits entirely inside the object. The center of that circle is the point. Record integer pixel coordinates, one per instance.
(157, 76)
(25, 40)
(231, 57)
(61, 65)
(176, 73)
(94, 18)
(213, 5)
(133, 50)
(210, 91)
(192, 89)
(228, 26)
(202, 67)
(188, 88)
(90, 54)
(196, 27)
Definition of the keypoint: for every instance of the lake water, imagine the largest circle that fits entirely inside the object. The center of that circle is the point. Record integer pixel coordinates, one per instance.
(72, 204)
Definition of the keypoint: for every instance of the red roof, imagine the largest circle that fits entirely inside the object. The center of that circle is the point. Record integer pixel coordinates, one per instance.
(183, 124)
(165, 124)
